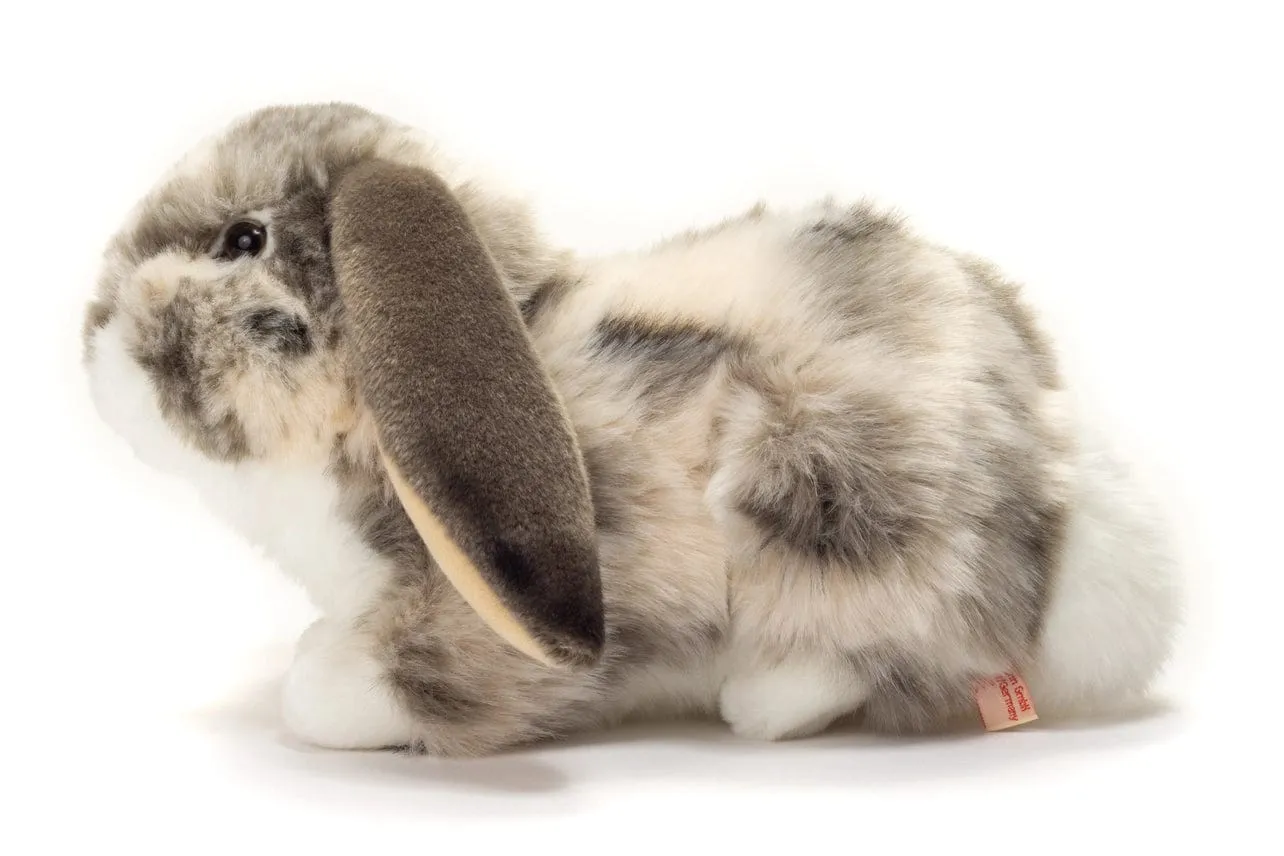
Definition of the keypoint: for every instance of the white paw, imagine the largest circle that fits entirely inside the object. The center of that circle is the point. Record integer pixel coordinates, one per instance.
(794, 699)
(335, 697)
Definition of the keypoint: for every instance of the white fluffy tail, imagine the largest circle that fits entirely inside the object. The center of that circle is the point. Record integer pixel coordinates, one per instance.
(1116, 605)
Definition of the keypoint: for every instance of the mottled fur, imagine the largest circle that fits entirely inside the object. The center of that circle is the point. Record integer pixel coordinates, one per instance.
(832, 464)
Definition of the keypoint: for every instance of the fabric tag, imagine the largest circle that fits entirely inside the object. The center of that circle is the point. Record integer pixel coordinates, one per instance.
(1004, 701)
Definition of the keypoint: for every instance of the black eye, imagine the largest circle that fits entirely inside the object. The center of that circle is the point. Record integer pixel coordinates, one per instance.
(244, 238)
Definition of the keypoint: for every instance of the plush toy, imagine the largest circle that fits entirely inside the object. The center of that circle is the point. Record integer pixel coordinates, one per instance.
(791, 467)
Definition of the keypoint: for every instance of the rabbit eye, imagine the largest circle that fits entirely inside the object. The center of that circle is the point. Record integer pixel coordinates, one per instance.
(244, 238)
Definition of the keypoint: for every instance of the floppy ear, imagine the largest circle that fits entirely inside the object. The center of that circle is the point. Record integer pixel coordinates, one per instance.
(475, 439)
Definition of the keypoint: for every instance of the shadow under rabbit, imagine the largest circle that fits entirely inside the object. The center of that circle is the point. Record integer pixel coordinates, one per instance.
(577, 768)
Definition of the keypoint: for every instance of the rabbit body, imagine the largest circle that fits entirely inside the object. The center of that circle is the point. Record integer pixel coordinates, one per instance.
(835, 469)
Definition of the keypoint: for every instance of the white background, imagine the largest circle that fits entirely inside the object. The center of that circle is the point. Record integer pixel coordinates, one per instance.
(1123, 159)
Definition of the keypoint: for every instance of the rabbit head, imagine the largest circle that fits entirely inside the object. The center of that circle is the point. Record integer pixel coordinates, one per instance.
(223, 332)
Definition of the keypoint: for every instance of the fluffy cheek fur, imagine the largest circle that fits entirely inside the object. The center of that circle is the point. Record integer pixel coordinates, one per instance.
(238, 366)
(251, 427)
(126, 399)
(333, 694)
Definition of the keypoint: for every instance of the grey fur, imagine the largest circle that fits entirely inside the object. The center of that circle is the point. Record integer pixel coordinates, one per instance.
(186, 365)
(283, 331)
(861, 463)
(665, 360)
(301, 229)
(855, 489)
(544, 297)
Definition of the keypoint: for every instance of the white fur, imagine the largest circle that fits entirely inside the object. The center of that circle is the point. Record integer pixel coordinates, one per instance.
(1116, 600)
(335, 696)
(796, 698)
(157, 279)
(290, 511)
(735, 277)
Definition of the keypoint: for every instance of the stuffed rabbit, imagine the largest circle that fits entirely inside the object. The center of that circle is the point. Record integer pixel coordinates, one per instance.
(795, 466)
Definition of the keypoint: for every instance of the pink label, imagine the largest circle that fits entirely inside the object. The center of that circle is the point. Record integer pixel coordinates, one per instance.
(1004, 701)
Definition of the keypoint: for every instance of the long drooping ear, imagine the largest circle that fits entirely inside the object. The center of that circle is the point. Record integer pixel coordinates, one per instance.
(476, 441)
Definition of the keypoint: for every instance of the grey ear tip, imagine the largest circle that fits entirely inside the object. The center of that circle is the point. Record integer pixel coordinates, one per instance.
(554, 583)
(577, 640)
(578, 652)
